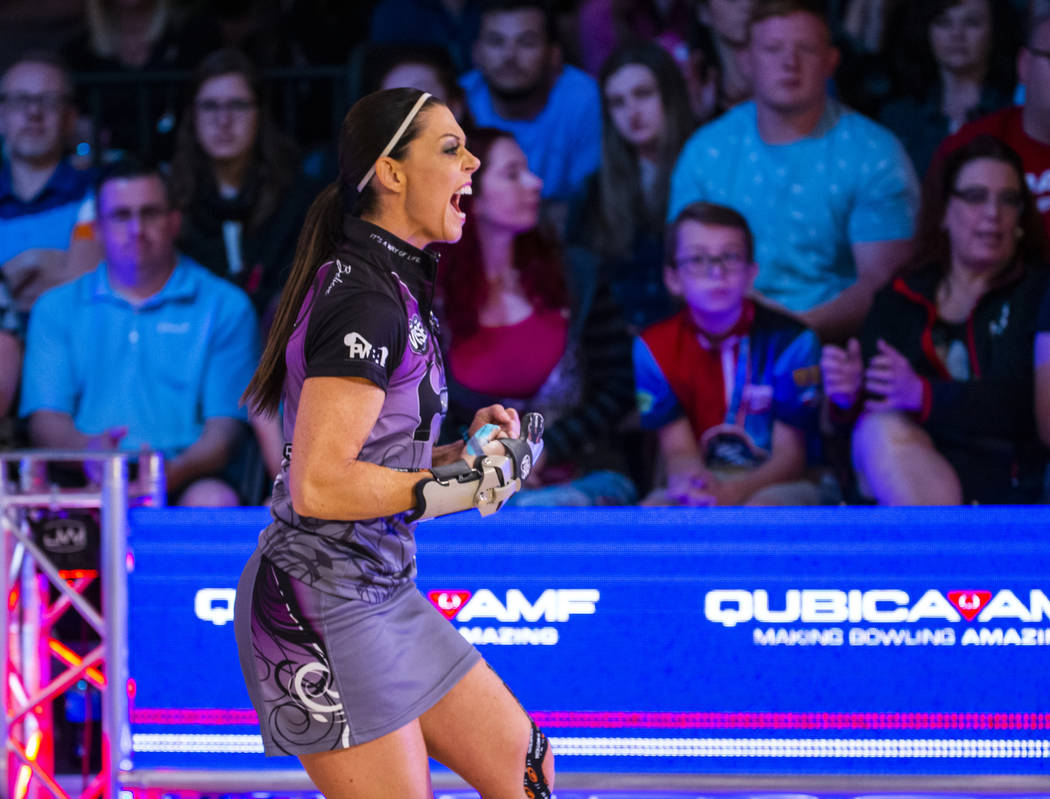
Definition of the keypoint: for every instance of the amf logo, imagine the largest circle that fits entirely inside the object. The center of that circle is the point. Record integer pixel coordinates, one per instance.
(880, 606)
(553, 605)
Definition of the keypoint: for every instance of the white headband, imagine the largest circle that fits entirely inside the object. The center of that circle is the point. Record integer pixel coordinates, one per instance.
(394, 139)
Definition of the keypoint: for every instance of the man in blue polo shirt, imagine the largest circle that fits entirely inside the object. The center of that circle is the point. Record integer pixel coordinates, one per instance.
(45, 203)
(149, 351)
(521, 86)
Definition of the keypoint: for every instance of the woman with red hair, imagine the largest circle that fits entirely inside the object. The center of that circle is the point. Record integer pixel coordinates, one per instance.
(534, 325)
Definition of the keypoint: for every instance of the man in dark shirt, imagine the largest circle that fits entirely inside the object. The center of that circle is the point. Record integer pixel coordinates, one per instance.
(46, 206)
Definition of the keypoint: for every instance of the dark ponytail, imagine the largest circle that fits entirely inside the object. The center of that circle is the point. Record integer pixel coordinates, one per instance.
(365, 131)
(319, 237)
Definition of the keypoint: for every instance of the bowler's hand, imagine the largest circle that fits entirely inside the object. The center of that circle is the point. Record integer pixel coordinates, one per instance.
(506, 419)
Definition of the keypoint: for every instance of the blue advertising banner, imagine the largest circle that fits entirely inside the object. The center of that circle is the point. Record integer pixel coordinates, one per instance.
(830, 640)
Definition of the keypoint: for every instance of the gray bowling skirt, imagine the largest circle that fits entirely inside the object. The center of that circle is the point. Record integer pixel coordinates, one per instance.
(326, 673)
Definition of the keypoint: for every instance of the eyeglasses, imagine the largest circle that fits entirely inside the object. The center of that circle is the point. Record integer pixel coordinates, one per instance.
(148, 215)
(976, 196)
(704, 265)
(212, 108)
(45, 101)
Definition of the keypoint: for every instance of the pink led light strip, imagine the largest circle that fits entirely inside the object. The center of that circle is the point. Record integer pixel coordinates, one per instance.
(718, 720)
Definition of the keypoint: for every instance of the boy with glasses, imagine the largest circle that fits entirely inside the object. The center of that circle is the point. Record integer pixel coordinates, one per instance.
(732, 387)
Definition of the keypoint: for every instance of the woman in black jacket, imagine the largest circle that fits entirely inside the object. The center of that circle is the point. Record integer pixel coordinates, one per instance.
(237, 181)
(942, 377)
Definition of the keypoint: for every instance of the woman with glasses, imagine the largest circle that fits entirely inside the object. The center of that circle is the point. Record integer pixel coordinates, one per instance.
(530, 324)
(941, 380)
(236, 179)
(731, 387)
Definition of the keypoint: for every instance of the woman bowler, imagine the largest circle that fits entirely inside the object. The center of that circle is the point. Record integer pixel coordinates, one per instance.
(348, 666)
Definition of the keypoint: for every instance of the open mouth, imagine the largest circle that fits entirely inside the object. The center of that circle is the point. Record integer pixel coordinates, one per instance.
(456, 195)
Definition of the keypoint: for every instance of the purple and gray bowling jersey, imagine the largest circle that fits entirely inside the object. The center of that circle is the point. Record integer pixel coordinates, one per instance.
(368, 314)
(337, 645)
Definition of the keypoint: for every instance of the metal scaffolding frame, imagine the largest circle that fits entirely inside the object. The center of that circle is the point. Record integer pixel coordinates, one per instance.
(29, 651)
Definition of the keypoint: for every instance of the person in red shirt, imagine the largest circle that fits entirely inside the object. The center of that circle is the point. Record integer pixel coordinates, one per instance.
(1025, 128)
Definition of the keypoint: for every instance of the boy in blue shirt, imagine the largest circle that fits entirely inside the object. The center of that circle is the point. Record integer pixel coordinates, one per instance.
(731, 386)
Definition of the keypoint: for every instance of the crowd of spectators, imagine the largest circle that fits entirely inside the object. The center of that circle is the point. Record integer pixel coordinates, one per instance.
(736, 251)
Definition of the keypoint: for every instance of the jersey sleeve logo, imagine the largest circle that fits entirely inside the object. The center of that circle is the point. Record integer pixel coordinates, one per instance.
(417, 335)
(360, 350)
(341, 270)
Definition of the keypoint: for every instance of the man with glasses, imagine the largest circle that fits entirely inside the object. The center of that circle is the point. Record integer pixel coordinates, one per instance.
(45, 202)
(731, 386)
(1026, 128)
(150, 351)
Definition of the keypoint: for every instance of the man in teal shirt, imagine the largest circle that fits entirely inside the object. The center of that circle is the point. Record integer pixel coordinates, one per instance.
(830, 195)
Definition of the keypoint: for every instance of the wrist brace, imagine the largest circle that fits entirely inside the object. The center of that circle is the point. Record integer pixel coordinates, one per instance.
(486, 482)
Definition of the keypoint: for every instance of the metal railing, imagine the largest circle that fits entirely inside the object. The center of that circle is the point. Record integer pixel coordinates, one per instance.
(36, 593)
